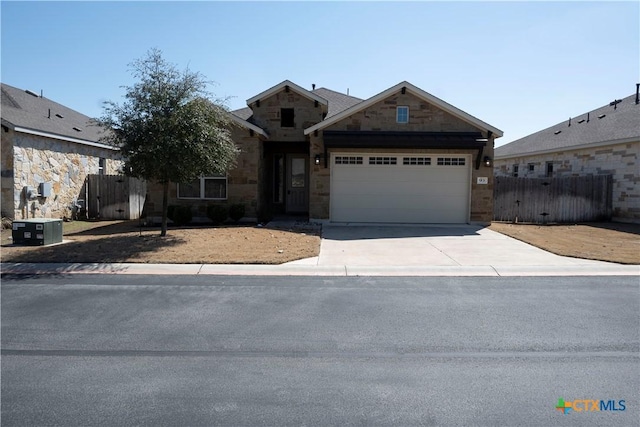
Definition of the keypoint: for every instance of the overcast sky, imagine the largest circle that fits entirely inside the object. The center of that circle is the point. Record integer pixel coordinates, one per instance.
(520, 66)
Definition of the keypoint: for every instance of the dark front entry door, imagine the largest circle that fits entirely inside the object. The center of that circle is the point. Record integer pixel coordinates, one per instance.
(297, 191)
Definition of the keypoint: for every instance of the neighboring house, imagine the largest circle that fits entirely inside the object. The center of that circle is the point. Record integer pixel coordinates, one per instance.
(402, 156)
(605, 141)
(47, 152)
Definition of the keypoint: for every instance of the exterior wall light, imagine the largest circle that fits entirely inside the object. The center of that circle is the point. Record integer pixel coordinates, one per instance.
(487, 161)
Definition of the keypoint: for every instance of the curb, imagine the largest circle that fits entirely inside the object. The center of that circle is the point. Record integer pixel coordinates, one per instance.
(318, 270)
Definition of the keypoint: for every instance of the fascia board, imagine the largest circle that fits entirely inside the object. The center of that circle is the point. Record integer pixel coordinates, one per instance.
(65, 138)
(248, 125)
(277, 88)
(416, 91)
(568, 148)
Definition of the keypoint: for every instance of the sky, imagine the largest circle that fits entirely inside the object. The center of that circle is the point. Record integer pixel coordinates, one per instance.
(519, 66)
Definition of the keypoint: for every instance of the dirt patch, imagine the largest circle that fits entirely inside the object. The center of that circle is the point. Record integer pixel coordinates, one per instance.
(613, 242)
(118, 241)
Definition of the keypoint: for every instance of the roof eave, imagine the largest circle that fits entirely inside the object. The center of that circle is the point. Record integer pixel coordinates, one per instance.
(416, 91)
(568, 148)
(248, 125)
(64, 138)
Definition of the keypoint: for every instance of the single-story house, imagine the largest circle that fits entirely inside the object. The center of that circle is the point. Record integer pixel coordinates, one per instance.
(47, 152)
(604, 141)
(401, 156)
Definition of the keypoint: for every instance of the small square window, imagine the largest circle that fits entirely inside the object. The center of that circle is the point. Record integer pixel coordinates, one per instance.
(402, 114)
(532, 167)
(287, 118)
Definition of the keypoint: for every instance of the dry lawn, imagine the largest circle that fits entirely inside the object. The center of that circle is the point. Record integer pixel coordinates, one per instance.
(118, 241)
(613, 242)
(121, 241)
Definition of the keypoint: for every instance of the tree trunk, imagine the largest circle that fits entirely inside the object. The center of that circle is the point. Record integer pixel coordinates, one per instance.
(165, 207)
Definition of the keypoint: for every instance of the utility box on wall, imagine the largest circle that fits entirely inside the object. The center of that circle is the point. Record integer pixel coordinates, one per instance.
(37, 231)
(45, 189)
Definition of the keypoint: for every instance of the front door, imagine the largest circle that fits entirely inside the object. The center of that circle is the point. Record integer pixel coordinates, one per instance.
(297, 192)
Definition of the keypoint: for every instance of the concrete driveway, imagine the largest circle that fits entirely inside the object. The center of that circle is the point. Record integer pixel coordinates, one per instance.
(439, 245)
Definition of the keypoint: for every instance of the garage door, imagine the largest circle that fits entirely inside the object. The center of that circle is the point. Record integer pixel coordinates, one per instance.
(400, 188)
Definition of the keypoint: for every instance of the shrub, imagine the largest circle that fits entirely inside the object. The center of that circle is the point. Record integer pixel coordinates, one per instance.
(180, 215)
(236, 212)
(217, 214)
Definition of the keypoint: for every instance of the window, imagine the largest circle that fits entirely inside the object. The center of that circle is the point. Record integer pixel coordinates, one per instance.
(102, 166)
(402, 114)
(383, 160)
(206, 187)
(416, 160)
(549, 169)
(532, 167)
(451, 161)
(348, 160)
(286, 118)
(515, 170)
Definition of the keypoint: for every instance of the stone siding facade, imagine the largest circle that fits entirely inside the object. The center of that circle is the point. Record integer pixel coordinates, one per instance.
(268, 115)
(29, 160)
(619, 160)
(423, 117)
(32, 160)
(243, 184)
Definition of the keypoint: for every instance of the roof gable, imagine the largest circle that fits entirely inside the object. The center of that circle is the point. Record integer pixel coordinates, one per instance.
(612, 123)
(456, 112)
(283, 86)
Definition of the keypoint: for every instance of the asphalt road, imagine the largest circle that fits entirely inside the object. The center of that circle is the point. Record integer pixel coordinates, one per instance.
(191, 351)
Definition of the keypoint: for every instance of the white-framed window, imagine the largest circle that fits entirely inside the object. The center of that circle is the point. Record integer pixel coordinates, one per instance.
(205, 187)
(402, 114)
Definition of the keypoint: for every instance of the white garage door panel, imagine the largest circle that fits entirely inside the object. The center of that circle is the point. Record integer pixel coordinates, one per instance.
(400, 193)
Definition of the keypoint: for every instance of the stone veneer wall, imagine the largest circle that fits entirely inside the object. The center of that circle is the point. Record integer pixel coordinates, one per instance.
(619, 160)
(63, 164)
(243, 183)
(306, 114)
(423, 117)
(6, 154)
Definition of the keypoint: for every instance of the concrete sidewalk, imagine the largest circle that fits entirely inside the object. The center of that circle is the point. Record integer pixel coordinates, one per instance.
(594, 269)
(437, 250)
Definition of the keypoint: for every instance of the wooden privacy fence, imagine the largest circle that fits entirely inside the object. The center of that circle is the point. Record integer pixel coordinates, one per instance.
(546, 200)
(115, 196)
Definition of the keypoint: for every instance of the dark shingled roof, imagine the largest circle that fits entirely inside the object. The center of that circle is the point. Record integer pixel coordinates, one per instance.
(21, 109)
(243, 113)
(337, 102)
(620, 123)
